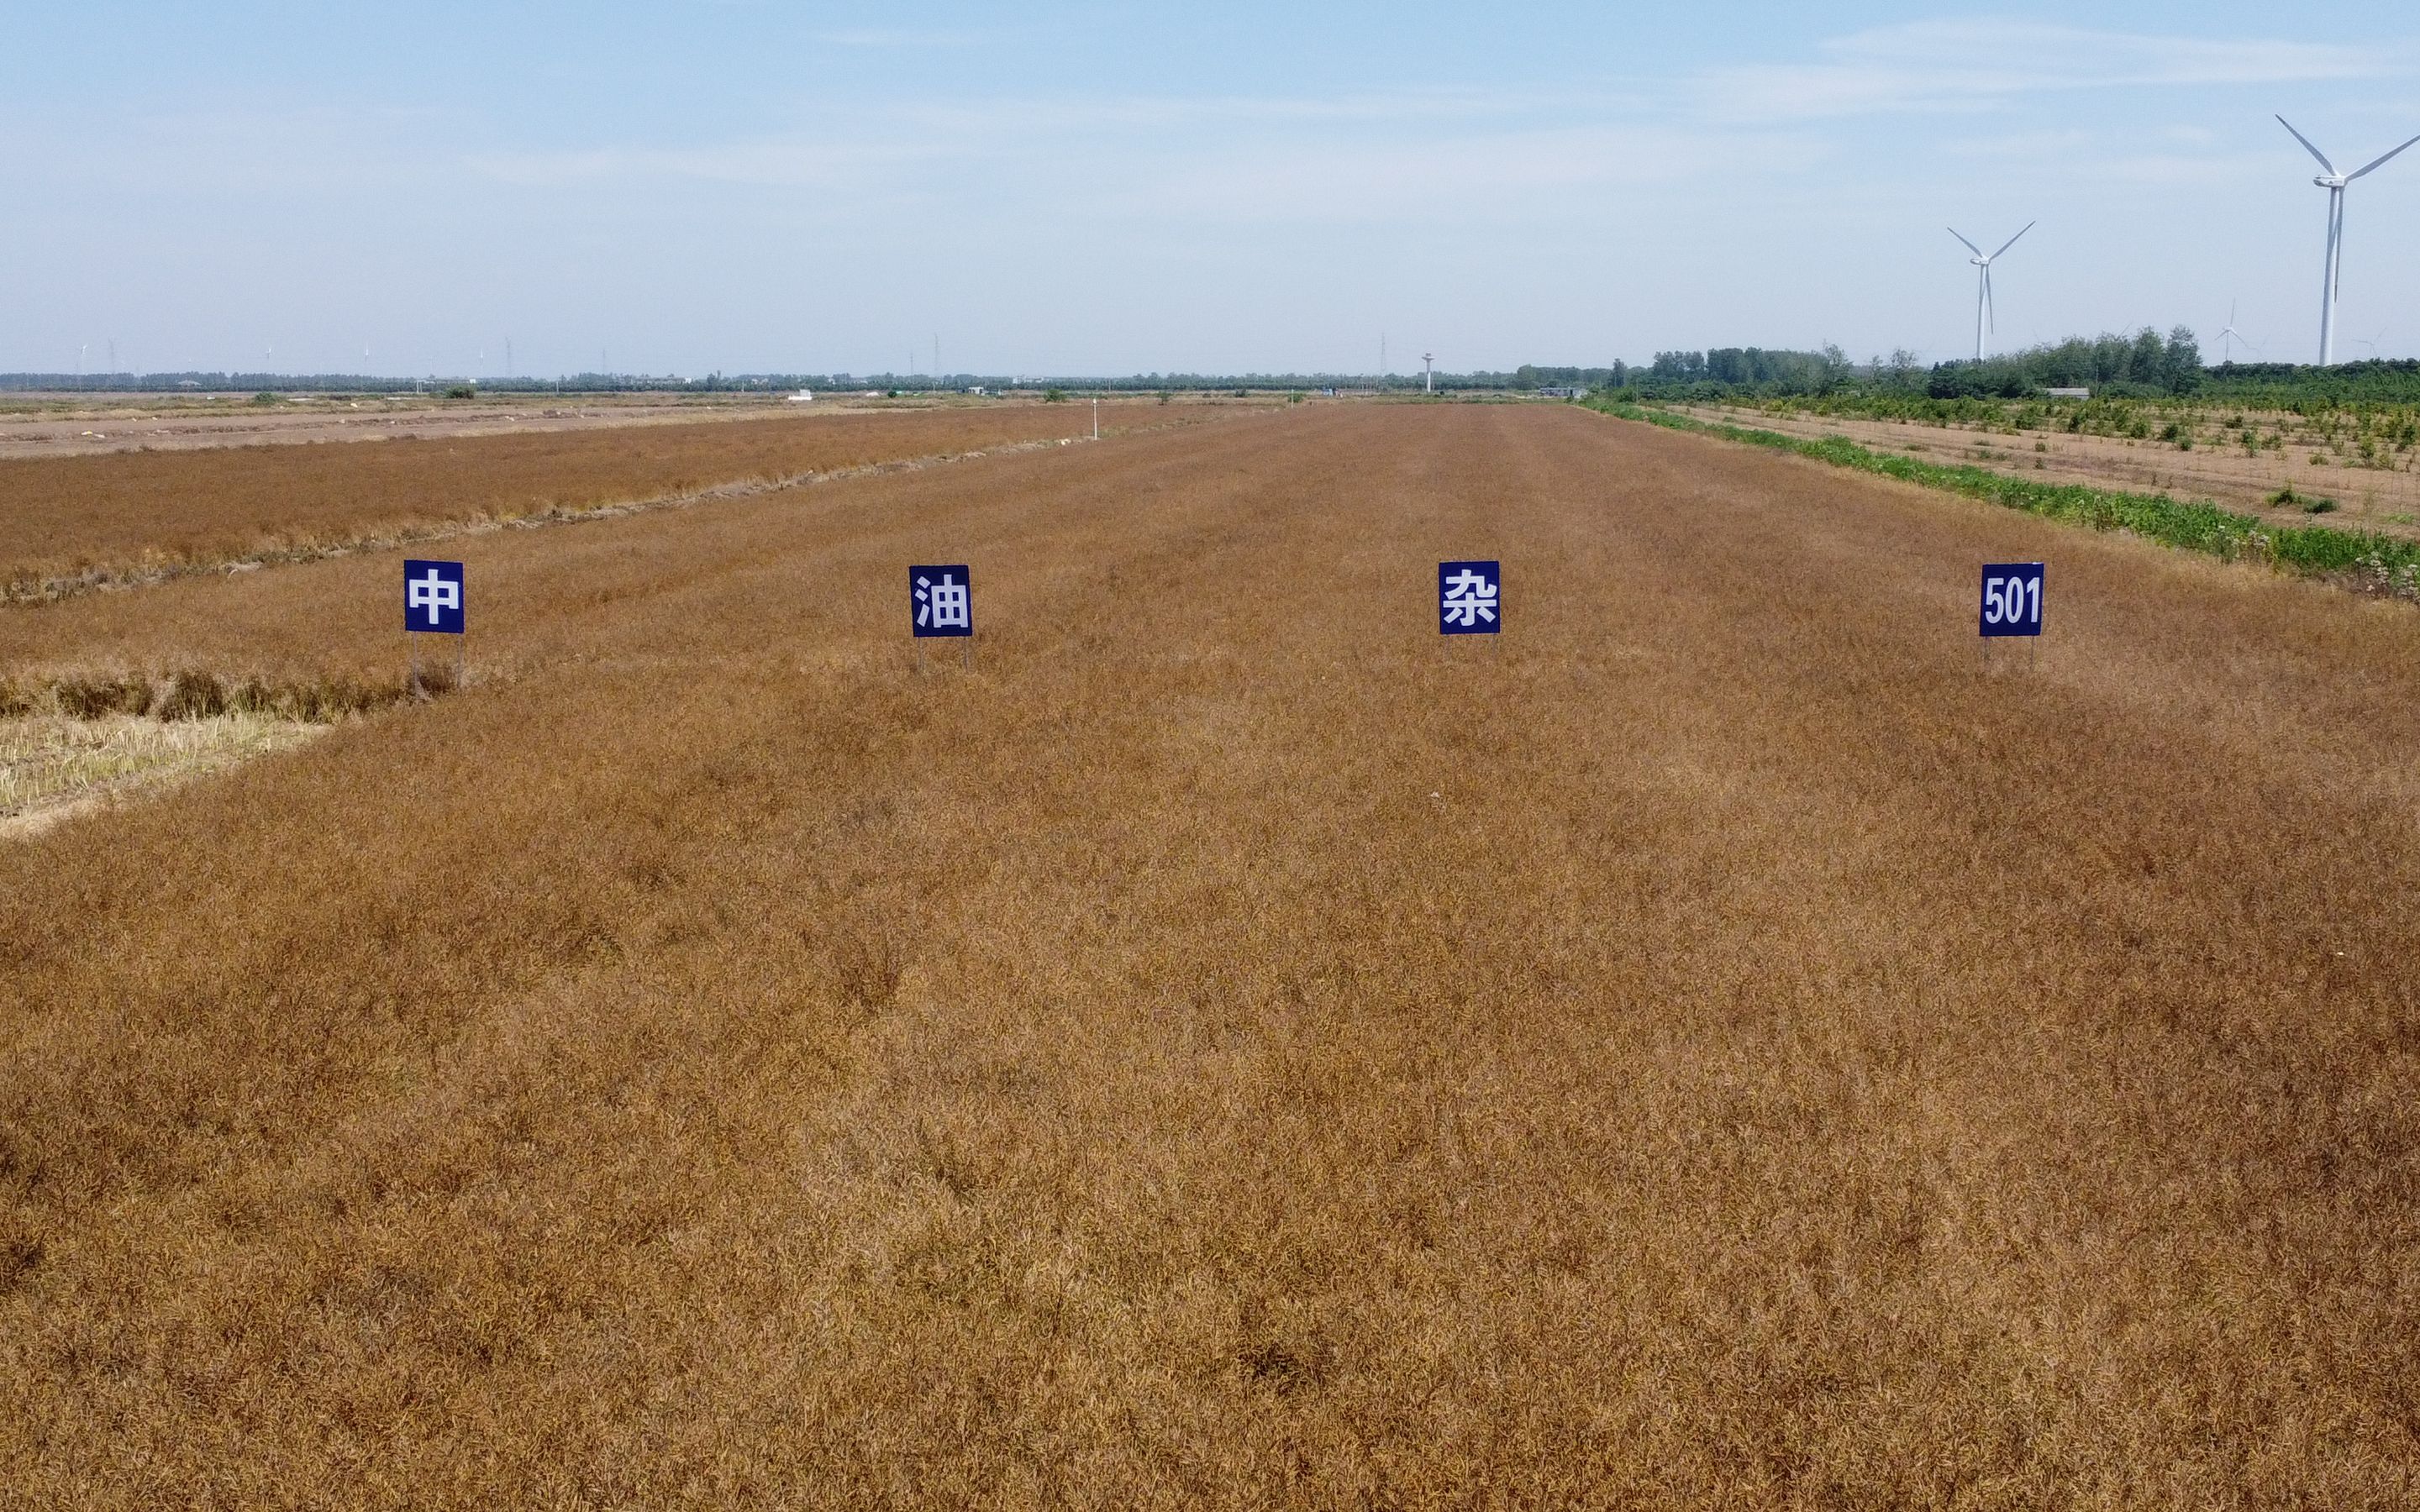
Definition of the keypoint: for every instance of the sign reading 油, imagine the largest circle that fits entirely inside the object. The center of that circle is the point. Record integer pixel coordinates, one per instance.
(1469, 597)
(2012, 598)
(432, 597)
(943, 600)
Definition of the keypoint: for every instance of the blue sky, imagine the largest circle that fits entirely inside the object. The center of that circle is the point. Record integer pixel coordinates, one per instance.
(748, 185)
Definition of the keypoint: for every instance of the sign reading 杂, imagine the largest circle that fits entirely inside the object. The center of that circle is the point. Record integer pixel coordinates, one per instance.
(1469, 597)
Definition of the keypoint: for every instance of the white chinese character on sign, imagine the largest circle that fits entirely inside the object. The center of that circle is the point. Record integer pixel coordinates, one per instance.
(1469, 599)
(945, 602)
(434, 593)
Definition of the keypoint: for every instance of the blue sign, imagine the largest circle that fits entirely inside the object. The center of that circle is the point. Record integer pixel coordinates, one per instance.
(2013, 594)
(944, 599)
(432, 596)
(1469, 597)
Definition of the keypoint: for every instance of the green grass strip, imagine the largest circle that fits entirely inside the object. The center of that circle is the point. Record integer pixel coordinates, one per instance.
(2385, 562)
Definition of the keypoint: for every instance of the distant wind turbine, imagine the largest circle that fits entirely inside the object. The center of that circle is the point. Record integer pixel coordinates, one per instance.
(2229, 338)
(1984, 315)
(2334, 182)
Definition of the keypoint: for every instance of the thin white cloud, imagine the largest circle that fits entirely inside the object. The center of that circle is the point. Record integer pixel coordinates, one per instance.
(897, 36)
(903, 140)
(1453, 178)
(1955, 65)
(775, 163)
(2021, 147)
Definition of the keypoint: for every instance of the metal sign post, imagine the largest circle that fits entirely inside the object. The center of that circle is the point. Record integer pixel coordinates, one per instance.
(1470, 598)
(2012, 606)
(941, 602)
(433, 604)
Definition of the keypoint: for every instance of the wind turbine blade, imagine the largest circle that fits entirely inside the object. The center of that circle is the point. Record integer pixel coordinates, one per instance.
(2012, 241)
(2358, 172)
(1970, 246)
(2306, 145)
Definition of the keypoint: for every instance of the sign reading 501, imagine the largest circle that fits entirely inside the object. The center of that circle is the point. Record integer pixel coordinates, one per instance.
(2012, 598)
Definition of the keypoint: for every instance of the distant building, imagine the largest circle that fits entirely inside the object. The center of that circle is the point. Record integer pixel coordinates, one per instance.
(802, 396)
(2069, 393)
(1562, 393)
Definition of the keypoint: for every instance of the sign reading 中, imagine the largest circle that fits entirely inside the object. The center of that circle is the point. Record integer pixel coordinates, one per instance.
(942, 599)
(1469, 597)
(432, 596)
(2012, 598)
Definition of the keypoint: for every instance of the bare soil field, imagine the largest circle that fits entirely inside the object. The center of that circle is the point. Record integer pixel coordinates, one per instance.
(1721, 1045)
(2382, 499)
(71, 523)
(71, 425)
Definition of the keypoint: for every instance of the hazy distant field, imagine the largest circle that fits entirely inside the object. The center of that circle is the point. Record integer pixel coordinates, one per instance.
(72, 519)
(1723, 1045)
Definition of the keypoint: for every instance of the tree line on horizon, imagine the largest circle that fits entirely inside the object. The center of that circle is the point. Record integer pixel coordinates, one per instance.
(2113, 365)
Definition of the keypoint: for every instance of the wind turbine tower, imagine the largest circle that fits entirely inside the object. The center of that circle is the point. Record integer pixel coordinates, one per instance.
(1428, 372)
(2334, 182)
(1984, 312)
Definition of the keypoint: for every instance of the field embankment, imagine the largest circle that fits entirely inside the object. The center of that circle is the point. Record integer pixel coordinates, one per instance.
(2364, 560)
(1721, 1045)
(79, 523)
(2351, 469)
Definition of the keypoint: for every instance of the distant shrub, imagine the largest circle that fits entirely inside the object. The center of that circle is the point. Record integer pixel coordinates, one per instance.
(461, 391)
(264, 397)
(1054, 396)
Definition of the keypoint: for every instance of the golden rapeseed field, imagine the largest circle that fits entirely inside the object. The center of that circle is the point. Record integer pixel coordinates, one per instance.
(1722, 1044)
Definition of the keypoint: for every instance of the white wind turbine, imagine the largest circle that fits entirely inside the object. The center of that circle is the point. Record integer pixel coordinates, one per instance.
(1983, 311)
(2230, 336)
(2334, 182)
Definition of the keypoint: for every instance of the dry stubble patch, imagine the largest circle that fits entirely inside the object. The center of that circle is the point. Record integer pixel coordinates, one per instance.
(1717, 1047)
(51, 767)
